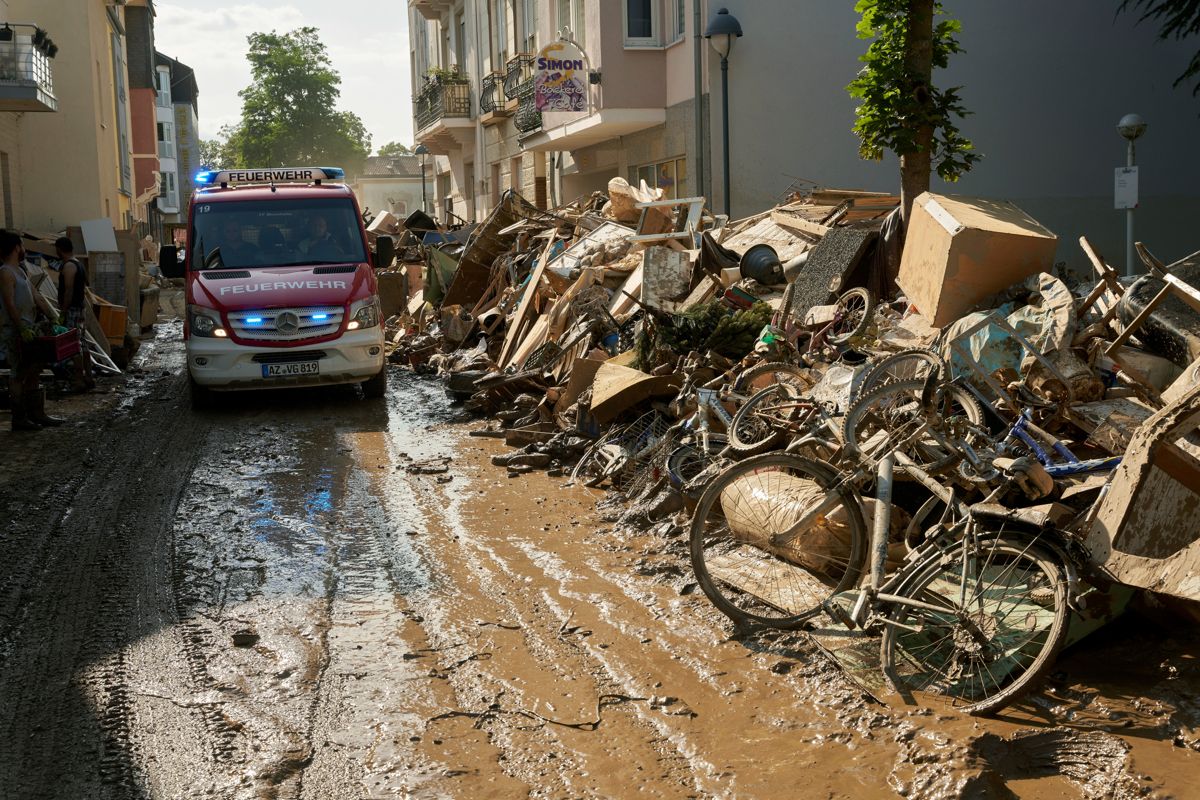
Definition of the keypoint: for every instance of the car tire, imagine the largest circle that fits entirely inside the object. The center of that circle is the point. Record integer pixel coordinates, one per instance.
(201, 396)
(375, 388)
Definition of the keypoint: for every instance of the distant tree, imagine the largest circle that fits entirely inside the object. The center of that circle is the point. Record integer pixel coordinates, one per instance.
(1177, 19)
(289, 110)
(215, 153)
(394, 149)
(899, 107)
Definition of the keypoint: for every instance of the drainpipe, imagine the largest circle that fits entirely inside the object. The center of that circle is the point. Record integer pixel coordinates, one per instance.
(698, 49)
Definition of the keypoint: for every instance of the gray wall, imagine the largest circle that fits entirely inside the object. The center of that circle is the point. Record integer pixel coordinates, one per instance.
(1047, 83)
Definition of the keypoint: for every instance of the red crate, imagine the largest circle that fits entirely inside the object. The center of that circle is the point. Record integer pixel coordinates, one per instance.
(53, 349)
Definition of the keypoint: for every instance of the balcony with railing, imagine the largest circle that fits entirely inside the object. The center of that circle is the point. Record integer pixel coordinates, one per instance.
(26, 77)
(518, 75)
(440, 99)
(442, 113)
(491, 99)
(528, 119)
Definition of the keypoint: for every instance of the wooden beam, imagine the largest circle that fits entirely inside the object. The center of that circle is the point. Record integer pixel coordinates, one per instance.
(518, 320)
(804, 226)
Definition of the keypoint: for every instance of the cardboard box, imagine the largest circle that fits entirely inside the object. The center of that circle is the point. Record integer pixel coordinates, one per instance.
(112, 321)
(960, 250)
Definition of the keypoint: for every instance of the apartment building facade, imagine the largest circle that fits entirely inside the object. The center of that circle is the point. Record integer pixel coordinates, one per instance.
(26, 90)
(1046, 83)
(474, 109)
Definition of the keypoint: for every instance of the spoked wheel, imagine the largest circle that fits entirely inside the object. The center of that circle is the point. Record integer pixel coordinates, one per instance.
(895, 410)
(760, 376)
(998, 620)
(762, 422)
(687, 462)
(856, 307)
(605, 459)
(748, 560)
(913, 364)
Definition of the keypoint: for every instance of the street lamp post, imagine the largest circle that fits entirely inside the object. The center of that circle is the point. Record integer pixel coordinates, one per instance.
(1131, 127)
(722, 29)
(422, 151)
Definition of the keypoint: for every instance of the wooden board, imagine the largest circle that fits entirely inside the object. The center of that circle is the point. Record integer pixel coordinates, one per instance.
(762, 575)
(516, 324)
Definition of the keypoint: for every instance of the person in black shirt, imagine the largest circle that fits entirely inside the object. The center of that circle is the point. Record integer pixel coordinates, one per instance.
(72, 283)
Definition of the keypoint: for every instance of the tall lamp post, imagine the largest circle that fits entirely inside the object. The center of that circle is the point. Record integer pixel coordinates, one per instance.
(722, 29)
(422, 151)
(1131, 127)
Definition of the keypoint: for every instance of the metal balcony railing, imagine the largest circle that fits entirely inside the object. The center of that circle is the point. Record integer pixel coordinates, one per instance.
(440, 99)
(527, 119)
(518, 73)
(490, 88)
(25, 74)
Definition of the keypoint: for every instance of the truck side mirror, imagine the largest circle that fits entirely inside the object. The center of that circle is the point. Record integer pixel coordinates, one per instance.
(168, 261)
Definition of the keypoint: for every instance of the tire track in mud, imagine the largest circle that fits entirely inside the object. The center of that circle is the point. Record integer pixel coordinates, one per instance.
(75, 608)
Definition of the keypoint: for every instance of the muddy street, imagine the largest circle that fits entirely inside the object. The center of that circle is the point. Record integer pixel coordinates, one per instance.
(312, 595)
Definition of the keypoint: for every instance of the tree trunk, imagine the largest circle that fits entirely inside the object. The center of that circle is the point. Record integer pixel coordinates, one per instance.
(918, 64)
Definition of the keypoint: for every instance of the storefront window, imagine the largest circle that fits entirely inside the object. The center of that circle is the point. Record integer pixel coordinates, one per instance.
(669, 175)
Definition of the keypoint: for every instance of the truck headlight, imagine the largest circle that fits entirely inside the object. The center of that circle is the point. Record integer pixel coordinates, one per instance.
(364, 314)
(203, 322)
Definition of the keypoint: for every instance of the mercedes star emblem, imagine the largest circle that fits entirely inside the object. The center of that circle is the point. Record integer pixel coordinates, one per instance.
(287, 322)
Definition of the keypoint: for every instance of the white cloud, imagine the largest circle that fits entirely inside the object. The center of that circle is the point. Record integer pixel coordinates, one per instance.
(367, 45)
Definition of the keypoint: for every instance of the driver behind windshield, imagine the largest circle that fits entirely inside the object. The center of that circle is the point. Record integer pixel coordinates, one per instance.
(320, 244)
(235, 250)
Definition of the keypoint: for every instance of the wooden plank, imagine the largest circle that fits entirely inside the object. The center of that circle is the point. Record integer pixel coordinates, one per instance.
(531, 288)
(804, 226)
(781, 585)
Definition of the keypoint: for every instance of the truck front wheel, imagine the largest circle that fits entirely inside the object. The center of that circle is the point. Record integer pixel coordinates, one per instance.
(376, 387)
(201, 396)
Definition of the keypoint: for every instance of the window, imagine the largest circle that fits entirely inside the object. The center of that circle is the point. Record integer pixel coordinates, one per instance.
(528, 42)
(120, 70)
(276, 233)
(166, 190)
(572, 15)
(164, 88)
(641, 23)
(668, 175)
(679, 19)
(166, 140)
(500, 31)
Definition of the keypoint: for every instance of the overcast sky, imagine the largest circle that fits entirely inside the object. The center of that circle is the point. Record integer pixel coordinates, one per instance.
(367, 41)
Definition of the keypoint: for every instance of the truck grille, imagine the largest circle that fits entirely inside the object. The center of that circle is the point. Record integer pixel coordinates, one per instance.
(287, 324)
(288, 356)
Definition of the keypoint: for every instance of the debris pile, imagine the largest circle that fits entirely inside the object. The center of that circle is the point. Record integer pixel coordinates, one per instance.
(841, 409)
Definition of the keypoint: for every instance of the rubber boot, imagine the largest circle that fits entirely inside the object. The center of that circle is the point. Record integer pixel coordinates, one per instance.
(37, 411)
(19, 401)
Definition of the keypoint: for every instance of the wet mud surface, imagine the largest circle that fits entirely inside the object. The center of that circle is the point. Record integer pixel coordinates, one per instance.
(310, 595)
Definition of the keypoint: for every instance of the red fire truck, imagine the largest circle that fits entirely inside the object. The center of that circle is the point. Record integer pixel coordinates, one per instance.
(280, 290)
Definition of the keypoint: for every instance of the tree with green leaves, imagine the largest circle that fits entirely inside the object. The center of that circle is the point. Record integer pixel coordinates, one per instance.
(1177, 19)
(899, 107)
(394, 149)
(289, 110)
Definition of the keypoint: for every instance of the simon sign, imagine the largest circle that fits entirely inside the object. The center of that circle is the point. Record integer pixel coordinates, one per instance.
(560, 78)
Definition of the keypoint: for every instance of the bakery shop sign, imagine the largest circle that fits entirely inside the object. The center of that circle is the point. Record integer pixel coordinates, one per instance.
(560, 78)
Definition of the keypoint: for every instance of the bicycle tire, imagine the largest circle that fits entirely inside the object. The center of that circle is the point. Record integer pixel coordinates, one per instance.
(859, 306)
(864, 419)
(912, 364)
(586, 469)
(800, 592)
(686, 462)
(748, 380)
(959, 657)
(750, 434)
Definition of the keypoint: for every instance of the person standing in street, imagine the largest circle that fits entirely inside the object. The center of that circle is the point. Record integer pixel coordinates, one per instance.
(19, 307)
(72, 283)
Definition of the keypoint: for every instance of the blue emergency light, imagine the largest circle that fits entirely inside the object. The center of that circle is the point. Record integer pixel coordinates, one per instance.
(320, 316)
(275, 175)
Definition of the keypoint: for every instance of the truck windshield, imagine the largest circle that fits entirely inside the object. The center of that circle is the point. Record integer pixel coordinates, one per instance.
(276, 233)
